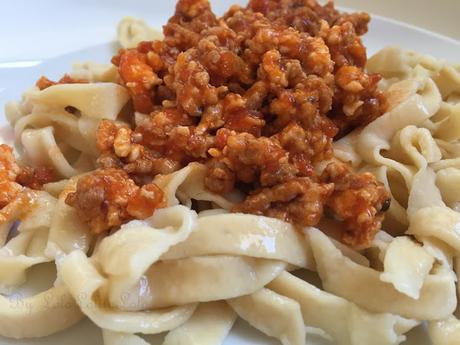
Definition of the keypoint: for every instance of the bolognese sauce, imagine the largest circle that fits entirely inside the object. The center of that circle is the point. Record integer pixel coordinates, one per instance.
(258, 95)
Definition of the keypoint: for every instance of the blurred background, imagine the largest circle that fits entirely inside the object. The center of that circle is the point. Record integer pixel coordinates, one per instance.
(37, 30)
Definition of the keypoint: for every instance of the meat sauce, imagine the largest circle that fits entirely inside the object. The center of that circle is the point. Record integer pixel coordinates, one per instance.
(258, 95)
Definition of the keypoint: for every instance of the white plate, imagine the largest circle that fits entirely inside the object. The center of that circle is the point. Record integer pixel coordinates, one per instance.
(14, 80)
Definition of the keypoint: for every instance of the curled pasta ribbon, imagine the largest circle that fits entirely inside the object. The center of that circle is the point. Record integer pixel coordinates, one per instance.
(438, 222)
(126, 255)
(47, 312)
(95, 72)
(42, 150)
(406, 266)
(448, 128)
(437, 298)
(94, 100)
(285, 321)
(199, 279)
(67, 231)
(44, 314)
(187, 184)
(394, 63)
(448, 182)
(83, 281)
(446, 331)
(423, 101)
(448, 80)
(72, 131)
(50, 135)
(245, 235)
(209, 325)
(27, 248)
(347, 323)
(420, 100)
(414, 146)
(132, 31)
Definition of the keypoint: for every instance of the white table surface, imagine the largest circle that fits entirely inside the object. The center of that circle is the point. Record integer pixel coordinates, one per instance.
(36, 30)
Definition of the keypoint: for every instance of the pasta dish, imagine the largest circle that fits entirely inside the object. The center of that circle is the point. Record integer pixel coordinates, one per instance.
(196, 177)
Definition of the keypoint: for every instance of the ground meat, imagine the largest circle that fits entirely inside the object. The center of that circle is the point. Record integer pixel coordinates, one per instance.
(35, 178)
(120, 148)
(345, 46)
(252, 160)
(107, 198)
(44, 82)
(357, 100)
(13, 177)
(16, 182)
(299, 201)
(220, 177)
(358, 200)
(308, 15)
(258, 95)
(9, 170)
(191, 17)
(139, 77)
(359, 20)
(191, 82)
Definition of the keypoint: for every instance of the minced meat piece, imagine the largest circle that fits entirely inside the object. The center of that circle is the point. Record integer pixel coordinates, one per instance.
(107, 198)
(299, 201)
(13, 177)
(358, 200)
(44, 83)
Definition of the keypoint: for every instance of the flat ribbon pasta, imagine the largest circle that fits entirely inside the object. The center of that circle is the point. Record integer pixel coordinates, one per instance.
(437, 296)
(406, 266)
(57, 126)
(209, 325)
(444, 332)
(83, 281)
(27, 248)
(421, 99)
(285, 321)
(191, 274)
(67, 231)
(393, 62)
(199, 279)
(94, 100)
(44, 313)
(347, 323)
(187, 184)
(438, 222)
(245, 235)
(42, 150)
(448, 182)
(132, 31)
(126, 255)
(95, 72)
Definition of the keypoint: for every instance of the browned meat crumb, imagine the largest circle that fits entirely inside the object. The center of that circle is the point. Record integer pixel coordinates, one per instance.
(44, 82)
(358, 200)
(299, 201)
(107, 198)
